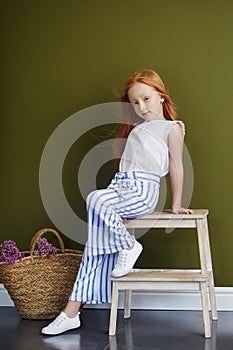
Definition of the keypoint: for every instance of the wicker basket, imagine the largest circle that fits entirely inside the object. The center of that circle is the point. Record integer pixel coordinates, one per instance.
(40, 287)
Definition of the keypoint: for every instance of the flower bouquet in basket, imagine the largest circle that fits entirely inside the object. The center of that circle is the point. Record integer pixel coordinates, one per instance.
(39, 281)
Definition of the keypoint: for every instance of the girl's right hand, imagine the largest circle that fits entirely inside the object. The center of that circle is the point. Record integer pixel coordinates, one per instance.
(180, 210)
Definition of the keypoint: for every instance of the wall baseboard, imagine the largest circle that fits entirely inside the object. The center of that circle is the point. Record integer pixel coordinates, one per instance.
(147, 300)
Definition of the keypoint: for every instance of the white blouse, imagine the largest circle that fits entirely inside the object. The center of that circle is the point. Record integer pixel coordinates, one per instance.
(146, 148)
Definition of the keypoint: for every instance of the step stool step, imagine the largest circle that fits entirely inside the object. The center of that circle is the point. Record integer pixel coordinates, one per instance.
(155, 275)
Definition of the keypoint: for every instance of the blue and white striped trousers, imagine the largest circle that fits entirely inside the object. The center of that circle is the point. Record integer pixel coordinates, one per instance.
(129, 194)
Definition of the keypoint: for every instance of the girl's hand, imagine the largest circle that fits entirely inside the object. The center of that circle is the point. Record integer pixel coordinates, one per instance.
(180, 210)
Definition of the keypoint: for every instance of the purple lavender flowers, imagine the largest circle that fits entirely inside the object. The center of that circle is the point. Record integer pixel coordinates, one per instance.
(9, 253)
(45, 248)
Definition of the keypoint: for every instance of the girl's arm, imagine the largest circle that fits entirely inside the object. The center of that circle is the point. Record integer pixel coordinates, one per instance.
(175, 145)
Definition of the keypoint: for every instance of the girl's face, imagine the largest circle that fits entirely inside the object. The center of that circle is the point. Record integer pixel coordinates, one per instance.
(146, 101)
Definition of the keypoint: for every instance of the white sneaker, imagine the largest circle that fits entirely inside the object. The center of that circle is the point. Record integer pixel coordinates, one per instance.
(61, 324)
(126, 260)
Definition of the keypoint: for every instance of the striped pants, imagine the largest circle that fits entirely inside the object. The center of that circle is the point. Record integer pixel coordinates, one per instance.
(129, 194)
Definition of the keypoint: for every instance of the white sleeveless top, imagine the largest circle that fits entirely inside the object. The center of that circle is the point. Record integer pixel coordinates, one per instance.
(146, 147)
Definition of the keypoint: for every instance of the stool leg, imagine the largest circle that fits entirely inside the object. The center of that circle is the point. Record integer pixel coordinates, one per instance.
(213, 298)
(204, 285)
(113, 314)
(210, 271)
(127, 305)
(205, 308)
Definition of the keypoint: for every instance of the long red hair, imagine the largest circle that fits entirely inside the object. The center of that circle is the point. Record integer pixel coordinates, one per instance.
(130, 118)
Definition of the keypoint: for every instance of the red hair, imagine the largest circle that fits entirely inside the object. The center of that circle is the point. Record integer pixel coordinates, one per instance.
(151, 78)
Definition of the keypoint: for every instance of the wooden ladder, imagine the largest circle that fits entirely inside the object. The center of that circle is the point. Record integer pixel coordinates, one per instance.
(170, 279)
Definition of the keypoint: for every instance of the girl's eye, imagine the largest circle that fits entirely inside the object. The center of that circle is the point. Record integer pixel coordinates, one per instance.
(135, 103)
(146, 98)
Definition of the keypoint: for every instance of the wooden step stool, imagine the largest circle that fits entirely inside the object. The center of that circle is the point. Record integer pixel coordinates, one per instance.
(170, 279)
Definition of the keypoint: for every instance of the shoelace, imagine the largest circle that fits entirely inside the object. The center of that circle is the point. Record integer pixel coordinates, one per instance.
(121, 260)
(58, 320)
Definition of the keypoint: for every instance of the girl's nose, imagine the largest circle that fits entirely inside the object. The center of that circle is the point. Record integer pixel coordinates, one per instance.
(142, 106)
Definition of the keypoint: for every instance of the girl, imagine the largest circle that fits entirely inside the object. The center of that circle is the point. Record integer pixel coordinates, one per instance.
(153, 148)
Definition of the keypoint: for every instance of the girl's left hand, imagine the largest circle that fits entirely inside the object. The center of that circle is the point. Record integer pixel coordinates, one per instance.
(180, 210)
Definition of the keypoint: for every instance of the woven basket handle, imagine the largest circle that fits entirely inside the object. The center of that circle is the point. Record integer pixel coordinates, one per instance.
(41, 233)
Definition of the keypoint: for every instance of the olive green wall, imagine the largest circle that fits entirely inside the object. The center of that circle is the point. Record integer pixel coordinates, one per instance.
(58, 57)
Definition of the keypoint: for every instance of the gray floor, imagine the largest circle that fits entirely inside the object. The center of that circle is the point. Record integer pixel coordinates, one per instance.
(145, 330)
